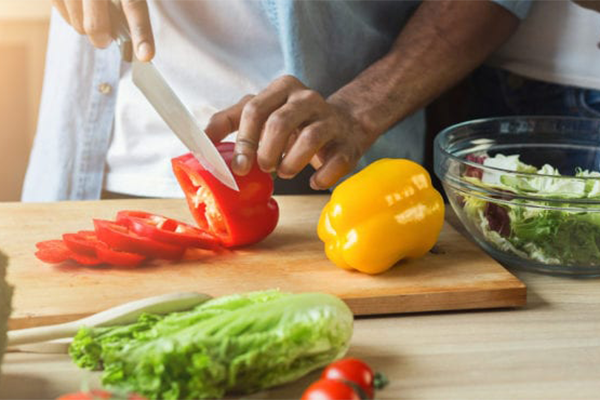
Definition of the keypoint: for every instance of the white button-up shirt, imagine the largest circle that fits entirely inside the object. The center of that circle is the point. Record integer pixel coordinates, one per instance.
(324, 43)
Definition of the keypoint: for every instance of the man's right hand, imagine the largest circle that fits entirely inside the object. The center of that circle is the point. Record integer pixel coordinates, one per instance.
(92, 18)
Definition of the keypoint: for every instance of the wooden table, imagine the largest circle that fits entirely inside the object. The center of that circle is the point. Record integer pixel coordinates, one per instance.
(549, 349)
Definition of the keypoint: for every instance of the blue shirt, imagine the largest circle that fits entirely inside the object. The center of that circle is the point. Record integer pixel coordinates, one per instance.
(325, 44)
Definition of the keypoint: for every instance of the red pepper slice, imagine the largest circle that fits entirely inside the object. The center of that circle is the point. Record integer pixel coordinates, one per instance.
(166, 230)
(236, 218)
(118, 258)
(86, 260)
(86, 242)
(56, 252)
(119, 237)
(80, 244)
(53, 251)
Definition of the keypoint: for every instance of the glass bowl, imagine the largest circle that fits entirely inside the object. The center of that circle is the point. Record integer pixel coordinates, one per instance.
(527, 189)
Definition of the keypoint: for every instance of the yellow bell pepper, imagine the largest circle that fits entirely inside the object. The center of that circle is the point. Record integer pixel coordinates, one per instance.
(387, 212)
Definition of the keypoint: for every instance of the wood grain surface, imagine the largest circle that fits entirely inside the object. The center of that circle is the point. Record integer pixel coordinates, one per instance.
(547, 350)
(458, 276)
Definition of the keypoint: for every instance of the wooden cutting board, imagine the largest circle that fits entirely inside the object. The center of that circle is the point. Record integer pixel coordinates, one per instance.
(456, 276)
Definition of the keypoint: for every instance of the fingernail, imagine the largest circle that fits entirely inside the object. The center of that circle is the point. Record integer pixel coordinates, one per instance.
(313, 185)
(284, 175)
(144, 51)
(242, 162)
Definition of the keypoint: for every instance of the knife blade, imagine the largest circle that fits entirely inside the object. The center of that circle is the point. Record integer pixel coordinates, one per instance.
(171, 109)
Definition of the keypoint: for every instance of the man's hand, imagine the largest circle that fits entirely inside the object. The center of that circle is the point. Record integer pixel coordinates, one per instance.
(92, 18)
(287, 126)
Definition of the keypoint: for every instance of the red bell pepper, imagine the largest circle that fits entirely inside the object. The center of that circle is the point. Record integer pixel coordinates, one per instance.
(236, 218)
(166, 230)
(121, 238)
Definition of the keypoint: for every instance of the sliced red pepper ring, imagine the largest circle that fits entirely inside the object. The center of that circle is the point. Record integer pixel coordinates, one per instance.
(86, 260)
(167, 230)
(53, 251)
(88, 241)
(236, 218)
(56, 252)
(80, 244)
(119, 237)
(118, 258)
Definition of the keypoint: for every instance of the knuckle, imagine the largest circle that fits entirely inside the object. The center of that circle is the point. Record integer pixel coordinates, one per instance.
(312, 137)
(247, 98)
(278, 122)
(252, 110)
(215, 118)
(310, 96)
(346, 162)
(265, 162)
(243, 144)
(288, 81)
(140, 30)
(94, 27)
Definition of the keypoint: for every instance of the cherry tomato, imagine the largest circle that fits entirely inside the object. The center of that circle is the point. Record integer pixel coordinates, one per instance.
(328, 389)
(98, 394)
(166, 230)
(352, 370)
(119, 237)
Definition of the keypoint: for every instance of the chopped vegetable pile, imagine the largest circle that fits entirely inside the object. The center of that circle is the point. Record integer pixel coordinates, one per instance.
(225, 217)
(134, 237)
(233, 344)
(523, 227)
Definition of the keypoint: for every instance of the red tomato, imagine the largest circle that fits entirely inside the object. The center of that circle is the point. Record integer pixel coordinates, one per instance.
(91, 395)
(121, 238)
(327, 389)
(98, 395)
(352, 370)
(166, 230)
(236, 218)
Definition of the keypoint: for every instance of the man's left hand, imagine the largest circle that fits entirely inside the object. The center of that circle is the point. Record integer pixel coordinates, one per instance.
(286, 127)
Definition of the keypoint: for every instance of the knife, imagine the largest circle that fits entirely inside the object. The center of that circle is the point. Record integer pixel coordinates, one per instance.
(164, 100)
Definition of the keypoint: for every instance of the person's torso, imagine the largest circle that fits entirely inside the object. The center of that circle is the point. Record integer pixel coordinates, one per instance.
(211, 53)
(557, 42)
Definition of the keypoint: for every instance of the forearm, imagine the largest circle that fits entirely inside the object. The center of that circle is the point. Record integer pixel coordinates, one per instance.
(440, 45)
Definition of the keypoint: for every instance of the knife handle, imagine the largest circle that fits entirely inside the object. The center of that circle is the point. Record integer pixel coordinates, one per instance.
(120, 30)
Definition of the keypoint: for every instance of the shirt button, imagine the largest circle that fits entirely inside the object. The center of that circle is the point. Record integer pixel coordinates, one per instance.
(104, 88)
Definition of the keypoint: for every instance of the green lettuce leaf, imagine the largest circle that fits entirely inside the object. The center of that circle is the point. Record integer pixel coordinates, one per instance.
(234, 344)
(549, 236)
